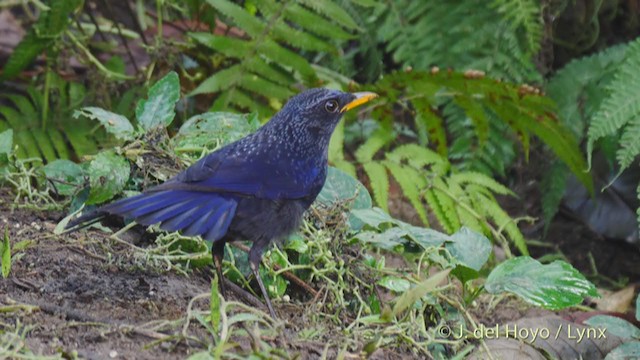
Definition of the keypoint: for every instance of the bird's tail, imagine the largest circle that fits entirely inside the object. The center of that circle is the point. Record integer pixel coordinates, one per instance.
(192, 212)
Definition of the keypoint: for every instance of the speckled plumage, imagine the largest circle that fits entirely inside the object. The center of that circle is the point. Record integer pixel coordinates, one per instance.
(256, 188)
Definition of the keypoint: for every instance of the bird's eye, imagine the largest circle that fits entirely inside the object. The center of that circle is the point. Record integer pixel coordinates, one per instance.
(331, 106)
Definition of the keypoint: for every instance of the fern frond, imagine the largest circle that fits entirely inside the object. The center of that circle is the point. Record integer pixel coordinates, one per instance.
(416, 155)
(580, 87)
(379, 182)
(447, 207)
(475, 111)
(471, 177)
(638, 211)
(622, 105)
(629, 143)
(377, 141)
(422, 34)
(411, 182)
(552, 188)
(503, 221)
(267, 63)
(526, 14)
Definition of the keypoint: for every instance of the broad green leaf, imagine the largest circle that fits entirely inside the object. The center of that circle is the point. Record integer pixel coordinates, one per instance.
(638, 308)
(373, 217)
(424, 237)
(408, 298)
(158, 109)
(470, 248)
(212, 130)
(615, 326)
(5, 253)
(6, 141)
(392, 239)
(376, 217)
(553, 286)
(395, 283)
(340, 187)
(66, 176)
(627, 351)
(6, 146)
(296, 243)
(108, 173)
(116, 124)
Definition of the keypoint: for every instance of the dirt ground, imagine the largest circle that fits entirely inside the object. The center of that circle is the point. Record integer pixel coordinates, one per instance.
(96, 301)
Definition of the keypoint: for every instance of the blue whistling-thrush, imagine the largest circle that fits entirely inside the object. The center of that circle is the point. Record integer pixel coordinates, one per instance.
(255, 189)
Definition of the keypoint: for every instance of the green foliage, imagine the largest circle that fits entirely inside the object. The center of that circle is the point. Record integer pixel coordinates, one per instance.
(6, 147)
(579, 89)
(462, 35)
(158, 110)
(5, 253)
(459, 195)
(66, 176)
(264, 64)
(621, 110)
(615, 325)
(40, 133)
(45, 32)
(553, 286)
(108, 173)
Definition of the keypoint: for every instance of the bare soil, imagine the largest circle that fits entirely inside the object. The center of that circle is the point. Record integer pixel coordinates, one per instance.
(91, 299)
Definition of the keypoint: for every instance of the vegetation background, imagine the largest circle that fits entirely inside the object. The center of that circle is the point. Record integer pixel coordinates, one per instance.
(495, 181)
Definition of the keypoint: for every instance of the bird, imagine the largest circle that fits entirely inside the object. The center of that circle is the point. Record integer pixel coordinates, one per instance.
(254, 189)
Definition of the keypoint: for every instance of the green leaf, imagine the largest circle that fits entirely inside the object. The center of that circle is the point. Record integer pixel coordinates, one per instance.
(108, 173)
(553, 286)
(231, 47)
(66, 176)
(470, 248)
(615, 325)
(240, 17)
(332, 11)
(373, 217)
(627, 351)
(214, 304)
(23, 54)
(221, 80)
(5, 253)
(115, 124)
(395, 283)
(296, 243)
(6, 141)
(158, 109)
(638, 307)
(407, 299)
(621, 106)
(379, 181)
(212, 130)
(340, 187)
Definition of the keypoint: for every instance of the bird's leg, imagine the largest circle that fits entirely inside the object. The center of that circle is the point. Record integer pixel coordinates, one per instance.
(217, 251)
(255, 255)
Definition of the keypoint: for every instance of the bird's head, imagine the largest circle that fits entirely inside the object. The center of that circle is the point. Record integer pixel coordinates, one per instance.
(319, 110)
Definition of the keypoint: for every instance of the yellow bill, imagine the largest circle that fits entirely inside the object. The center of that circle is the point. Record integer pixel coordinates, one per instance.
(361, 98)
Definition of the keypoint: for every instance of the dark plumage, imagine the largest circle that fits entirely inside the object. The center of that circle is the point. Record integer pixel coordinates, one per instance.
(256, 188)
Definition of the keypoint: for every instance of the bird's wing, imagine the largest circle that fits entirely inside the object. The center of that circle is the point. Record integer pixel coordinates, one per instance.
(220, 172)
(191, 212)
